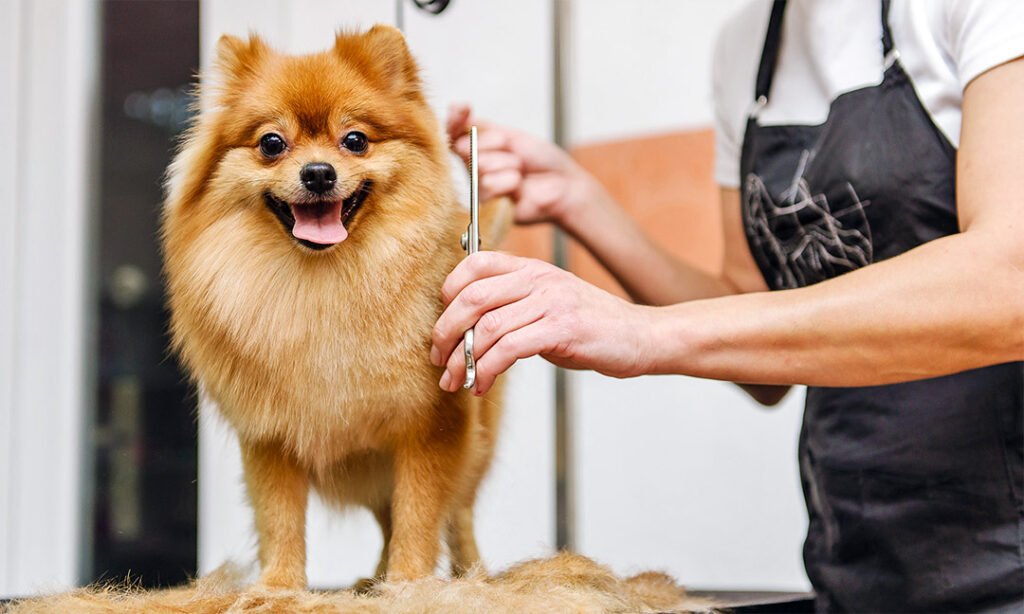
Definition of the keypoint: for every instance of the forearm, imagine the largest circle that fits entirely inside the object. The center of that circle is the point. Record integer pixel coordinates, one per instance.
(651, 275)
(950, 305)
(648, 273)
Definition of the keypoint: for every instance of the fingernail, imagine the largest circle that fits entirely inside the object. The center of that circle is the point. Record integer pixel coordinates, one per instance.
(435, 356)
(446, 380)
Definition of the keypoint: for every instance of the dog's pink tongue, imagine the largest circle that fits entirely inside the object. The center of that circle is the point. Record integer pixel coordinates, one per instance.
(319, 223)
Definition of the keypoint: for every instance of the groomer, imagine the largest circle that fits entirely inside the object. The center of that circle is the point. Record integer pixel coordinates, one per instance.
(871, 162)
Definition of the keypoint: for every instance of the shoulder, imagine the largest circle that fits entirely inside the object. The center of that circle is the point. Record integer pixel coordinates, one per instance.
(946, 44)
(736, 57)
(739, 41)
(971, 36)
(733, 72)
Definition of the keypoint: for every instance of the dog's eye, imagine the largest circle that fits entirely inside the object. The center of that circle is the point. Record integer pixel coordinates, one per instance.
(272, 145)
(355, 141)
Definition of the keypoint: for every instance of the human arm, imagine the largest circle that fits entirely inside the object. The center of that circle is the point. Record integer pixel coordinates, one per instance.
(950, 305)
(547, 185)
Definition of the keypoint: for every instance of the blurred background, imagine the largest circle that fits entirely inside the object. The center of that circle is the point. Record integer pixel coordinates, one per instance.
(106, 466)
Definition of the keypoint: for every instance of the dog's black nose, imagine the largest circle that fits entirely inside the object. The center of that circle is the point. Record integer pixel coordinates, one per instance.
(318, 177)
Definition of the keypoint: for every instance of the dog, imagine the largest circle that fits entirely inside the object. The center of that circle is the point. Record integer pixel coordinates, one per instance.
(309, 223)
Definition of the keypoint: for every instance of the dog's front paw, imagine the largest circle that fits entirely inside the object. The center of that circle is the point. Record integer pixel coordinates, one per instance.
(366, 586)
(273, 580)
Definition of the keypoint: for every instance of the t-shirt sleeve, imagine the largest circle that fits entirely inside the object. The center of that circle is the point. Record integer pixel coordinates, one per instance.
(728, 141)
(733, 72)
(983, 34)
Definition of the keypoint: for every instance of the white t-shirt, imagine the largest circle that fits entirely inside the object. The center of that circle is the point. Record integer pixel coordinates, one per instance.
(834, 46)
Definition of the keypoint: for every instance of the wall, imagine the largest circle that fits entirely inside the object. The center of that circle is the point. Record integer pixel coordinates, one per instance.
(672, 473)
(48, 89)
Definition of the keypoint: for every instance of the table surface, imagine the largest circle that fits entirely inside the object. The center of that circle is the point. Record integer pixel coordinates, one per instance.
(740, 602)
(751, 602)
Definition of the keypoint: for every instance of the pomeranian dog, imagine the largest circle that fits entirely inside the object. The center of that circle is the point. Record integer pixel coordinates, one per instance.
(310, 221)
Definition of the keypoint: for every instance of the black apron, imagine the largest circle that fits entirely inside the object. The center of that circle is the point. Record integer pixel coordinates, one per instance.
(914, 490)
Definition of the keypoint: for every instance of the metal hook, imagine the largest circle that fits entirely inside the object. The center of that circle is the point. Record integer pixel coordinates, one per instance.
(434, 7)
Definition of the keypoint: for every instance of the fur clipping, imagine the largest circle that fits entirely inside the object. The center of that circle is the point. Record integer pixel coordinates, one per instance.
(563, 583)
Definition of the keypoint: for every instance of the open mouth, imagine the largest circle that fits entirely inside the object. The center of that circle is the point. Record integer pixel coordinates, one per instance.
(321, 224)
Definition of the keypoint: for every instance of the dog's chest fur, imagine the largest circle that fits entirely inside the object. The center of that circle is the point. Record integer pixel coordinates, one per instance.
(328, 355)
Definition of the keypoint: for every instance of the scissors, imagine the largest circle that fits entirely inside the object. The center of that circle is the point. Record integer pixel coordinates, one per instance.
(471, 243)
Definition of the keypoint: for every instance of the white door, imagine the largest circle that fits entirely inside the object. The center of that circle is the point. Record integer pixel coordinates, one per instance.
(48, 99)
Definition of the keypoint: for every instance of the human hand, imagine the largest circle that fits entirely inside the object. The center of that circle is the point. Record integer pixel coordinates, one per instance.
(522, 307)
(543, 181)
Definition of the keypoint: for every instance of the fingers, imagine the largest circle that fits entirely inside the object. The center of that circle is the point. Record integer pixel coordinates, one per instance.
(500, 174)
(477, 299)
(499, 170)
(493, 161)
(496, 295)
(487, 289)
(488, 139)
(447, 382)
(524, 342)
(501, 183)
(458, 120)
(492, 325)
(487, 331)
(478, 266)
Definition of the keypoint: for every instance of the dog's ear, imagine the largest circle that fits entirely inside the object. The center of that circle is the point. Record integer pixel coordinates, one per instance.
(386, 55)
(235, 57)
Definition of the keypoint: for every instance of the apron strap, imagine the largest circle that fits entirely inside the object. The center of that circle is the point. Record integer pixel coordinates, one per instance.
(770, 53)
(887, 45)
(773, 41)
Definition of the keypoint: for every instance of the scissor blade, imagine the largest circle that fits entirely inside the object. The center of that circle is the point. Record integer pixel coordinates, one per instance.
(472, 244)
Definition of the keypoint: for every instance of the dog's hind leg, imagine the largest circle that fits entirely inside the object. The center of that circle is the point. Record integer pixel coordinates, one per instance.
(461, 540)
(383, 516)
(427, 467)
(461, 537)
(365, 585)
(278, 489)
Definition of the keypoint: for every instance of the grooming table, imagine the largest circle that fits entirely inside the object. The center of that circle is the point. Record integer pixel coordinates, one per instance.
(759, 602)
(739, 602)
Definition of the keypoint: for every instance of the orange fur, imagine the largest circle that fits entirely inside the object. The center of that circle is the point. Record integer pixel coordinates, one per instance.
(319, 359)
(563, 583)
